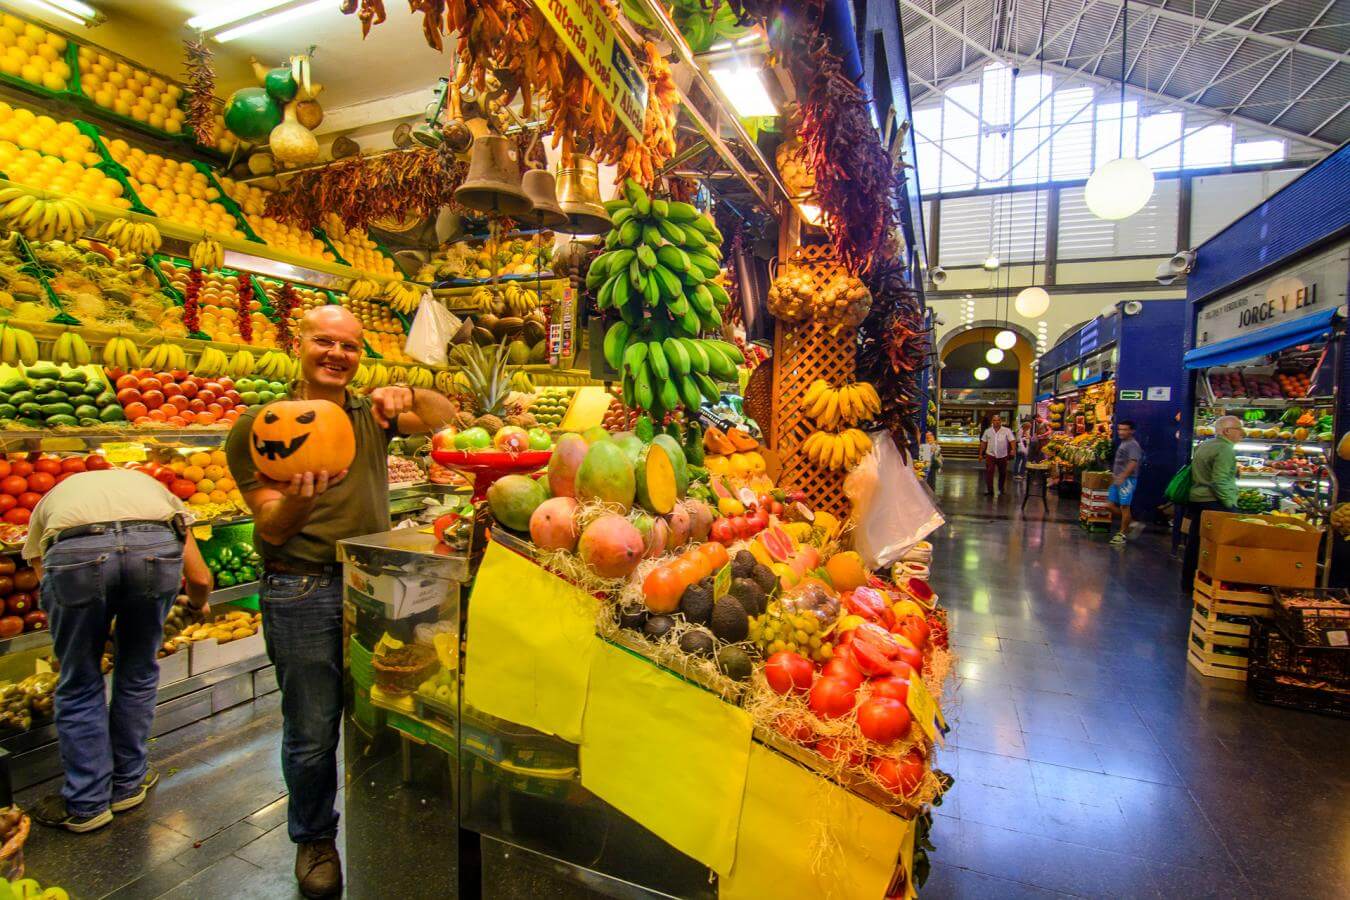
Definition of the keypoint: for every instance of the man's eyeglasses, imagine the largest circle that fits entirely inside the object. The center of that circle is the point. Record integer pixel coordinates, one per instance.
(328, 344)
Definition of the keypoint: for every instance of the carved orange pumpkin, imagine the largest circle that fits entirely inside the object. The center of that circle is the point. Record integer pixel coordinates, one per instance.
(291, 437)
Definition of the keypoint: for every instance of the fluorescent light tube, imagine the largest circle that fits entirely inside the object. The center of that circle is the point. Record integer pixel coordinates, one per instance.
(229, 13)
(744, 87)
(272, 21)
(70, 10)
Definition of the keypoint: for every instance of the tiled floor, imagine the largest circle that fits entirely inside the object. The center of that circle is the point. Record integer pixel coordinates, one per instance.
(1089, 760)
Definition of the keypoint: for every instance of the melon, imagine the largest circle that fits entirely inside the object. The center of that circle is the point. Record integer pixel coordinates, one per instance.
(563, 464)
(655, 480)
(605, 474)
(700, 519)
(677, 459)
(679, 522)
(553, 524)
(611, 546)
(513, 500)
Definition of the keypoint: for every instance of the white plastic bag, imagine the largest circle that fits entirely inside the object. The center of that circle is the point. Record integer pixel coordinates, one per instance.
(431, 331)
(893, 510)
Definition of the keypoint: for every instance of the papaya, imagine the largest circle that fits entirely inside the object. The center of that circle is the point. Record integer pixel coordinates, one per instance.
(655, 480)
(677, 461)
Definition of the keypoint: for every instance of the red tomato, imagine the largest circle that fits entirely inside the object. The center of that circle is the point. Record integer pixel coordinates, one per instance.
(95, 463)
(834, 749)
(19, 515)
(41, 482)
(7, 502)
(883, 719)
(189, 388)
(14, 485)
(22, 468)
(900, 776)
(4, 468)
(914, 628)
(182, 488)
(64, 475)
(831, 698)
(793, 728)
(47, 464)
(789, 672)
(892, 686)
(73, 464)
(842, 668)
(911, 656)
(722, 532)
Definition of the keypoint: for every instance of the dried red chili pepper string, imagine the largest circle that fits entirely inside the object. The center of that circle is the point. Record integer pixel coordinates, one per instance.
(191, 306)
(246, 309)
(286, 301)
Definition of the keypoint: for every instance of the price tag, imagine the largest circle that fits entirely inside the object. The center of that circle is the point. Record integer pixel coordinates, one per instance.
(722, 582)
(42, 666)
(925, 709)
(202, 532)
(125, 452)
(61, 445)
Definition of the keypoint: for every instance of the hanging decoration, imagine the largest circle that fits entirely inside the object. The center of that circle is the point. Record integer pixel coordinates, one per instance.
(893, 350)
(282, 111)
(201, 91)
(191, 301)
(1033, 302)
(1121, 187)
(286, 301)
(245, 308)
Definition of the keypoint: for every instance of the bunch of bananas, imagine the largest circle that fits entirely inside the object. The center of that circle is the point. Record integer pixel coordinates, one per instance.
(403, 296)
(848, 405)
(521, 382)
(482, 299)
(241, 364)
(364, 289)
(207, 254)
(71, 350)
(419, 377)
(212, 363)
(137, 238)
(837, 451)
(121, 353)
(519, 301)
(166, 358)
(17, 346)
(658, 275)
(275, 366)
(445, 383)
(43, 220)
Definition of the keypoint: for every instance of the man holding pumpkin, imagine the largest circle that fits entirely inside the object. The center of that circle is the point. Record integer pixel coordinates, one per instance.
(297, 525)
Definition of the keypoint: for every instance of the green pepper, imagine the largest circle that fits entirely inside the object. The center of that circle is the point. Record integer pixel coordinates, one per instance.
(224, 580)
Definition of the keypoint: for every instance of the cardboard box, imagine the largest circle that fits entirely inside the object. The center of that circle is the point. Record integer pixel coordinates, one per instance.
(1233, 547)
(1098, 481)
(1239, 530)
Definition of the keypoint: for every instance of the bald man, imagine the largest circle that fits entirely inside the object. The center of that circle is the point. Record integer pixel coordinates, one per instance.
(296, 527)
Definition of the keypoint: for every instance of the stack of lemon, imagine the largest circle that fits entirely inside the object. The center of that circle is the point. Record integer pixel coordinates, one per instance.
(281, 235)
(389, 346)
(218, 309)
(53, 156)
(174, 190)
(45, 135)
(358, 249)
(222, 138)
(131, 91)
(33, 53)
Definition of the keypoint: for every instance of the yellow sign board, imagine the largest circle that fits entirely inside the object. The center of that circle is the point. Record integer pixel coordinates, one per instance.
(589, 36)
(925, 709)
(124, 452)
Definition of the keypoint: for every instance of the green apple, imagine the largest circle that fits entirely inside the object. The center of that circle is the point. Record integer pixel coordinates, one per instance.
(473, 439)
(539, 439)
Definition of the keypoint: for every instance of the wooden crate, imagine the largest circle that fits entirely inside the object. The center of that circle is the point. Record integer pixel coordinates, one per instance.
(1215, 659)
(1232, 599)
(804, 352)
(1216, 623)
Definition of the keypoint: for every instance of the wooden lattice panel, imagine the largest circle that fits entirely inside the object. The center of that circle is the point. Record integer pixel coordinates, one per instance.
(804, 352)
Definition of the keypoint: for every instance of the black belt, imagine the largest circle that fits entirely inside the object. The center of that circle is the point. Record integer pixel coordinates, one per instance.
(296, 567)
(108, 528)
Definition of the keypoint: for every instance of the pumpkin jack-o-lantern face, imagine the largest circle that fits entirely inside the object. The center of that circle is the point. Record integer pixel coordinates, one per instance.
(292, 437)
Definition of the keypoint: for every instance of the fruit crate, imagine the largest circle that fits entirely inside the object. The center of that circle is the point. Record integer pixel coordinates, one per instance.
(1270, 681)
(1314, 618)
(1215, 659)
(1234, 599)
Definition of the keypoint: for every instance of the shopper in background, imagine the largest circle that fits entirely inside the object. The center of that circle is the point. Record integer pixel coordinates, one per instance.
(1023, 450)
(1213, 486)
(297, 525)
(1124, 479)
(111, 546)
(996, 447)
(930, 451)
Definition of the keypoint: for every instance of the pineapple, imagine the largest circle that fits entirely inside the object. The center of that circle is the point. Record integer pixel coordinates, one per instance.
(488, 386)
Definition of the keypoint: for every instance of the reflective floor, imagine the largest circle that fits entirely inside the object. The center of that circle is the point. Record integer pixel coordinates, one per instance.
(1090, 760)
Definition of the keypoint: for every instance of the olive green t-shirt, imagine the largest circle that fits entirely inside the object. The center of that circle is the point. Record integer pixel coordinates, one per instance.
(356, 505)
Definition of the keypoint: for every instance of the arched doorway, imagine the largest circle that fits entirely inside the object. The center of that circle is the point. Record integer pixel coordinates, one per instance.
(965, 403)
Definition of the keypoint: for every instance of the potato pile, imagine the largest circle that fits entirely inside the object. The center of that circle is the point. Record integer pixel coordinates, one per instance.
(232, 626)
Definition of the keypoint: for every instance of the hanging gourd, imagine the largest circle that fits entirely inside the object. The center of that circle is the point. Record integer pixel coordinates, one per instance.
(251, 114)
(283, 111)
(291, 143)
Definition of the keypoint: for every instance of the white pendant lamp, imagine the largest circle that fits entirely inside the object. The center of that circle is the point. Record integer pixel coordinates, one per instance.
(1005, 340)
(1120, 188)
(981, 373)
(993, 356)
(1032, 302)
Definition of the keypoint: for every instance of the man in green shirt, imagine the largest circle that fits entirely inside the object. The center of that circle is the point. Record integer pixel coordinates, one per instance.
(1213, 486)
(296, 527)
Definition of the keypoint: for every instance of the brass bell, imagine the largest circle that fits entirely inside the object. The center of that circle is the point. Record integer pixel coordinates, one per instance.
(493, 183)
(538, 183)
(579, 195)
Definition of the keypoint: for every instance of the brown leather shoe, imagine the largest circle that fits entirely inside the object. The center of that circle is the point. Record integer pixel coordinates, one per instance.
(318, 868)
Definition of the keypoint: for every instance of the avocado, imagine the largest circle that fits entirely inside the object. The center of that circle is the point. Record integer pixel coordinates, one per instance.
(71, 388)
(57, 409)
(730, 622)
(734, 663)
(29, 410)
(42, 385)
(765, 578)
(658, 627)
(19, 398)
(750, 595)
(12, 384)
(112, 414)
(86, 411)
(75, 375)
(697, 602)
(105, 399)
(743, 564)
(53, 421)
(51, 397)
(630, 619)
(43, 370)
(8, 410)
(698, 642)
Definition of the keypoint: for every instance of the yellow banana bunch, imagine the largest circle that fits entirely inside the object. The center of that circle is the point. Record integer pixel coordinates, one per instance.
(136, 238)
(274, 366)
(212, 363)
(207, 254)
(38, 219)
(403, 295)
(241, 364)
(165, 358)
(837, 451)
(519, 301)
(121, 353)
(363, 289)
(17, 346)
(459, 382)
(521, 382)
(361, 380)
(445, 383)
(831, 407)
(482, 298)
(71, 350)
(377, 375)
(419, 377)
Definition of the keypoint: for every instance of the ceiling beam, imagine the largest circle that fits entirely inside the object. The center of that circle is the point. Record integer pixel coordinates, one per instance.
(1233, 29)
(1106, 45)
(1285, 54)
(950, 29)
(1162, 88)
(1327, 121)
(1199, 96)
(1303, 93)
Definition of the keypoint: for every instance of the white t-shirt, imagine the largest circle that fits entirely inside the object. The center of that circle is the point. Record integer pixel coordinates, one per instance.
(998, 444)
(92, 498)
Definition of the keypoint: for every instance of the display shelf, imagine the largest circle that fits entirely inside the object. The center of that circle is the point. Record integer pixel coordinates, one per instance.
(235, 592)
(1269, 403)
(1264, 446)
(74, 440)
(32, 640)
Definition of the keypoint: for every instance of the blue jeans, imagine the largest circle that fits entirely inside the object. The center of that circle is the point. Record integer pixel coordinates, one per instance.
(128, 575)
(302, 624)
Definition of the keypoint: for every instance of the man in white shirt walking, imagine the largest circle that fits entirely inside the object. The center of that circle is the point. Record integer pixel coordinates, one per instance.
(996, 446)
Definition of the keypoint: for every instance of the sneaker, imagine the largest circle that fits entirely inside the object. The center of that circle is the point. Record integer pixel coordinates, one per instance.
(1136, 529)
(52, 812)
(318, 868)
(150, 780)
(1119, 540)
